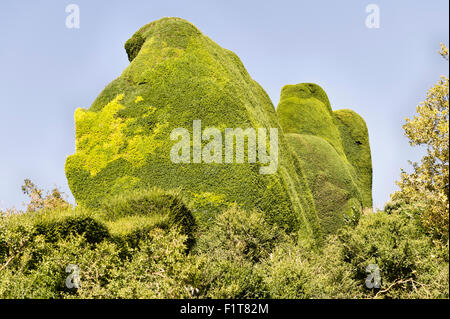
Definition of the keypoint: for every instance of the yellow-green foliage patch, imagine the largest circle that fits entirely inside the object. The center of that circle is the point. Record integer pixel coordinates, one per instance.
(101, 137)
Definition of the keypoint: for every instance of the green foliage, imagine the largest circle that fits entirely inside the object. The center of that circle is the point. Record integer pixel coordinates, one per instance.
(355, 140)
(133, 46)
(393, 206)
(304, 109)
(331, 178)
(235, 278)
(131, 215)
(33, 259)
(410, 265)
(352, 219)
(242, 233)
(112, 246)
(178, 75)
(235, 246)
(407, 259)
(240, 256)
(129, 232)
(160, 268)
(54, 225)
(55, 229)
(332, 147)
(427, 187)
(53, 199)
(286, 275)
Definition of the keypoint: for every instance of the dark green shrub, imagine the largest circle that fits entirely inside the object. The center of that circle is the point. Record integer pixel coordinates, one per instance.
(241, 233)
(93, 230)
(144, 210)
(392, 206)
(235, 245)
(405, 256)
(133, 46)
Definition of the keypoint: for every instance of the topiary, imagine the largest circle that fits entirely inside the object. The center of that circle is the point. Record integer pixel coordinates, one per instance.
(333, 149)
(133, 214)
(178, 75)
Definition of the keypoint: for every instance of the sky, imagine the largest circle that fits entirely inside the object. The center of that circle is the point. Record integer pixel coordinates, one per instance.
(48, 70)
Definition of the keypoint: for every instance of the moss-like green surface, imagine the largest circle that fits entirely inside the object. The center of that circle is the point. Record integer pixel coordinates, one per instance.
(178, 75)
(355, 138)
(331, 178)
(333, 148)
(305, 109)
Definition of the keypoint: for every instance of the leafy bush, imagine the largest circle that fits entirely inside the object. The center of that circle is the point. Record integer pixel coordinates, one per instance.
(286, 273)
(133, 214)
(427, 187)
(57, 224)
(410, 265)
(240, 256)
(47, 278)
(235, 245)
(53, 199)
(93, 230)
(133, 46)
(232, 277)
(241, 233)
(393, 206)
(160, 268)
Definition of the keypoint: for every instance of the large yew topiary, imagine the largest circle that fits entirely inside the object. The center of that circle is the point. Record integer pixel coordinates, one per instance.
(177, 75)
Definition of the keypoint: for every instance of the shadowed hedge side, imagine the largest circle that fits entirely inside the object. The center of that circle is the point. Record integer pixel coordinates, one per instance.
(331, 178)
(355, 139)
(131, 216)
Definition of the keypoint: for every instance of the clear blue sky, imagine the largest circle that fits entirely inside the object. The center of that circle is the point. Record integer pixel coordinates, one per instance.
(47, 70)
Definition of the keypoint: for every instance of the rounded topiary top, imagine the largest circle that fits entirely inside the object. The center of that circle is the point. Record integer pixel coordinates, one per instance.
(305, 109)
